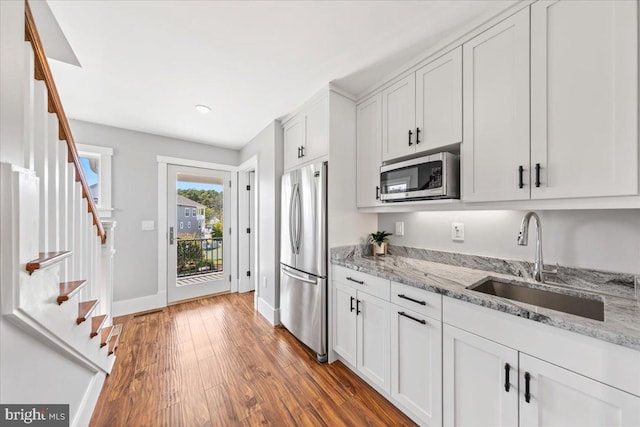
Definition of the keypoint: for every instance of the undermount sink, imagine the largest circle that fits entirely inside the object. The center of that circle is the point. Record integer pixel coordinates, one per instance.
(523, 292)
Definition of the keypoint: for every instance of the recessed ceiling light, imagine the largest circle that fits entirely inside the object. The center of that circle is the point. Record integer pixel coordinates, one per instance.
(203, 109)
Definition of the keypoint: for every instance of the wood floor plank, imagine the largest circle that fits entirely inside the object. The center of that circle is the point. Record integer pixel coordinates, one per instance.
(216, 362)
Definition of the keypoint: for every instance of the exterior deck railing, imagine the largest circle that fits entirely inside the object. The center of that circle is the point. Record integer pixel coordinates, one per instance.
(199, 256)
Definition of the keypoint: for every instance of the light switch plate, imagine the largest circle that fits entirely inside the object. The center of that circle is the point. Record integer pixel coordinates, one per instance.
(399, 228)
(457, 232)
(148, 226)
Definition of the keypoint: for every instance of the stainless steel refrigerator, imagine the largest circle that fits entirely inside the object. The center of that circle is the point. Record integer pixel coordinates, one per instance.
(303, 256)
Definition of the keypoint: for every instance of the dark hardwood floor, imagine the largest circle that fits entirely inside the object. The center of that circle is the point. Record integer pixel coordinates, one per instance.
(217, 362)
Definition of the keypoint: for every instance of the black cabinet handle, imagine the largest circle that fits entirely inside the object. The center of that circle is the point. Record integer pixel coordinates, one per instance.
(357, 307)
(299, 152)
(507, 368)
(520, 177)
(411, 299)
(302, 151)
(537, 174)
(527, 383)
(417, 136)
(377, 192)
(410, 143)
(351, 304)
(356, 281)
(402, 313)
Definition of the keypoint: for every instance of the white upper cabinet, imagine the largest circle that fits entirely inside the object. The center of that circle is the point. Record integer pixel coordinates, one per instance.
(584, 102)
(398, 118)
(369, 151)
(306, 135)
(439, 102)
(495, 152)
(423, 111)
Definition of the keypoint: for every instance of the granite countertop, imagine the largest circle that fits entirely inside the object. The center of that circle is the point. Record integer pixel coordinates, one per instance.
(621, 323)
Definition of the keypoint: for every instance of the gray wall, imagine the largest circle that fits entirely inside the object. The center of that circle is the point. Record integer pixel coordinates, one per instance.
(135, 197)
(598, 239)
(267, 145)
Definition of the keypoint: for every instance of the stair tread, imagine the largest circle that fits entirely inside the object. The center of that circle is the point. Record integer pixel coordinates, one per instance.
(69, 289)
(96, 324)
(45, 259)
(105, 335)
(115, 338)
(84, 310)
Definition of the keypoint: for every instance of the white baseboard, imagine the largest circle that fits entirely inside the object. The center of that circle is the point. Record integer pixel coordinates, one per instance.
(135, 305)
(268, 312)
(88, 404)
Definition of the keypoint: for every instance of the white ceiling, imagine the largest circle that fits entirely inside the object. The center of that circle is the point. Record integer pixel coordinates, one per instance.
(145, 64)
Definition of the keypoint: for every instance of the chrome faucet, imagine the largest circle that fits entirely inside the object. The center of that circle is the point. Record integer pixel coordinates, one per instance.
(523, 239)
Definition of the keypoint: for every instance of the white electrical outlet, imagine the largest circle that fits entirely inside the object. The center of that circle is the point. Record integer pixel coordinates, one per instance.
(457, 232)
(399, 228)
(148, 225)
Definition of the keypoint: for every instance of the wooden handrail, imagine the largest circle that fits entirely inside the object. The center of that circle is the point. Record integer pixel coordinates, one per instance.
(43, 72)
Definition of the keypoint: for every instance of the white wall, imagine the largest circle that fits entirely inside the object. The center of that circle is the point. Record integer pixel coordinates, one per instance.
(598, 239)
(135, 197)
(267, 145)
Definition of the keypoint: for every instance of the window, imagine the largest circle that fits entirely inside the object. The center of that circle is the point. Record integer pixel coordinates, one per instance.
(95, 162)
(186, 211)
(193, 211)
(181, 225)
(188, 224)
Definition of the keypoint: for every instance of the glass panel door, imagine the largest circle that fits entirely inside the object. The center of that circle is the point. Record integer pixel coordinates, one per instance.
(198, 250)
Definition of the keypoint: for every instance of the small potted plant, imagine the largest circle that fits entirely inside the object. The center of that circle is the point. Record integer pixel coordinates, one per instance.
(379, 241)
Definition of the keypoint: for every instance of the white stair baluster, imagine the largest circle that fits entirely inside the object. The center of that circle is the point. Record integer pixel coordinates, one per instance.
(62, 207)
(54, 188)
(29, 98)
(78, 232)
(71, 218)
(40, 140)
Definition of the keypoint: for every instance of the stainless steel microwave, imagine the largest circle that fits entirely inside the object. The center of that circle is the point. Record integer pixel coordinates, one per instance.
(436, 176)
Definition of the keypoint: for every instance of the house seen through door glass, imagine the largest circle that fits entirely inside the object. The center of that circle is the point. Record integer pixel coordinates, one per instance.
(200, 258)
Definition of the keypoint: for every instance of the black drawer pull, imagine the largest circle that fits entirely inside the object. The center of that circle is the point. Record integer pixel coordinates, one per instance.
(410, 143)
(358, 307)
(538, 174)
(527, 383)
(402, 313)
(507, 368)
(359, 282)
(351, 304)
(377, 192)
(520, 177)
(417, 136)
(411, 299)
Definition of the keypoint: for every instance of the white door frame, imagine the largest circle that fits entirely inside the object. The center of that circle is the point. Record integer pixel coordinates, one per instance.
(251, 165)
(163, 232)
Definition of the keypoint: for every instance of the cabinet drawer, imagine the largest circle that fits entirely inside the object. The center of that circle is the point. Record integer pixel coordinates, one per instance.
(418, 300)
(362, 282)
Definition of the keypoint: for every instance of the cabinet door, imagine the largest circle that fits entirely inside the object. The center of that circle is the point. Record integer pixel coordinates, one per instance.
(439, 102)
(474, 381)
(293, 140)
(373, 340)
(584, 104)
(368, 151)
(399, 118)
(416, 364)
(496, 112)
(559, 397)
(344, 327)
(316, 141)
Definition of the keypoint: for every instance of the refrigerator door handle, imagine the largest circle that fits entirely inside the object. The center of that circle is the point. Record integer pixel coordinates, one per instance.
(291, 209)
(297, 277)
(298, 219)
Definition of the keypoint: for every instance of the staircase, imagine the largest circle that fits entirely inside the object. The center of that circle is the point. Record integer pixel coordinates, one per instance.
(56, 253)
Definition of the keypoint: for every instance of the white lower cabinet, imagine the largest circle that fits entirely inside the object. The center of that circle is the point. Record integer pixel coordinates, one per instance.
(480, 381)
(559, 397)
(361, 333)
(489, 384)
(416, 364)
